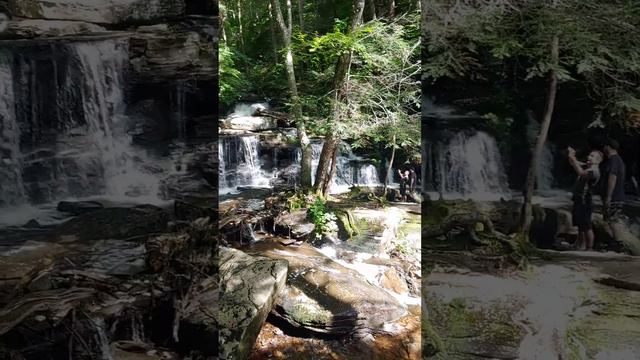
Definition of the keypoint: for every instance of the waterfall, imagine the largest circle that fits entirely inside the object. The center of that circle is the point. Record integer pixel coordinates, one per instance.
(137, 328)
(222, 173)
(470, 166)
(64, 128)
(102, 340)
(350, 169)
(11, 184)
(368, 175)
(240, 163)
(178, 107)
(103, 65)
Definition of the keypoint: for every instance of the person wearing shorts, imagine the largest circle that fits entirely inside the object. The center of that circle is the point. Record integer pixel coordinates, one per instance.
(582, 196)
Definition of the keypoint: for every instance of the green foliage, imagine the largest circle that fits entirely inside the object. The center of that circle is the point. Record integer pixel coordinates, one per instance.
(324, 221)
(296, 201)
(508, 44)
(232, 82)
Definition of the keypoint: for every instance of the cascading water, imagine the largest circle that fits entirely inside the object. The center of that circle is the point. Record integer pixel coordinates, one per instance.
(244, 162)
(470, 166)
(64, 129)
(103, 65)
(11, 187)
(239, 163)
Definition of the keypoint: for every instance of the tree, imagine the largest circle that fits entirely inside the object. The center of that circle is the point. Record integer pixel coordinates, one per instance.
(305, 144)
(512, 45)
(327, 163)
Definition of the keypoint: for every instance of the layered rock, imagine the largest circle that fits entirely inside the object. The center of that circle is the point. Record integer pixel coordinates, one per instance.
(97, 11)
(249, 123)
(115, 223)
(249, 286)
(162, 52)
(36, 28)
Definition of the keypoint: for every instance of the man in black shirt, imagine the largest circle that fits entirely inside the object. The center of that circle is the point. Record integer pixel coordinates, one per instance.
(614, 171)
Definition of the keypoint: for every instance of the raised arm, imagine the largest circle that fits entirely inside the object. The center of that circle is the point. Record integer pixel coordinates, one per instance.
(576, 165)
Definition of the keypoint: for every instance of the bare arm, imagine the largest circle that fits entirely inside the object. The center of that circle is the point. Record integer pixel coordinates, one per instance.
(576, 166)
(611, 184)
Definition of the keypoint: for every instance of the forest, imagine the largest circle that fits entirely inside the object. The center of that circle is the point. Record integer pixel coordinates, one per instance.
(319, 153)
(520, 99)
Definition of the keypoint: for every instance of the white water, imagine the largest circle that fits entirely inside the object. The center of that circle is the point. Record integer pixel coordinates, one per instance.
(11, 187)
(240, 164)
(470, 166)
(91, 155)
(103, 65)
(102, 340)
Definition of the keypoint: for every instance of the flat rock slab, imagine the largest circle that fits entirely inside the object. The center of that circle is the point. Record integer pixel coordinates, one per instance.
(32, 28)
(249, 123)
(324, 296)
(249, 286)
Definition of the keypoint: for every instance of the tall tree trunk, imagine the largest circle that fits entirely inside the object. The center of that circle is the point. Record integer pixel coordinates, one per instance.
(241, 33)
(305, 143)
(324, 173)
(371, 9)
(392, 9)
(388, 176)
(325, 164)
(274, 40)
(333, 166)
(301, 13)
(222, 22)
(526, 216)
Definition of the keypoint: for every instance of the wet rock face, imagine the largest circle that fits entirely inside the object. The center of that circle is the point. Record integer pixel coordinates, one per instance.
(249, 287)
(33, 28)
(323, 296)
(179, 51)
(97, 11)
(115, 223)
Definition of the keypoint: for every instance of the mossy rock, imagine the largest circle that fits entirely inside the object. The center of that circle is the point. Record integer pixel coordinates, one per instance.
(347, 225)
(463, 331)
(435, 213)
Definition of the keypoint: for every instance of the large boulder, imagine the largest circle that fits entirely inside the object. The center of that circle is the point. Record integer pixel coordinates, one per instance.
(249, 287)
(294, 224)
(325, 297)
(99, 12)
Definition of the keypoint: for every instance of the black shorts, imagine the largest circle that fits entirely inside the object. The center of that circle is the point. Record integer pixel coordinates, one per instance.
(403, 190)
(581, 215)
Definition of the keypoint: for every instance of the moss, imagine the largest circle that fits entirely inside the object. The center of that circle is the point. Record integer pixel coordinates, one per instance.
(308, 314)
(25, 8)
(456, 320)
(347, 224)
(431, 341)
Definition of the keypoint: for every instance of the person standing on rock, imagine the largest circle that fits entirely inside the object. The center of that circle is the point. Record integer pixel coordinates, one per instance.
(404, 180)
(413, 180)
(614, 170)
(583, 196)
